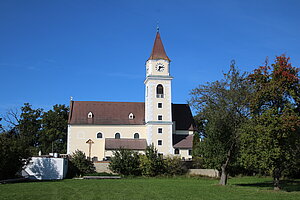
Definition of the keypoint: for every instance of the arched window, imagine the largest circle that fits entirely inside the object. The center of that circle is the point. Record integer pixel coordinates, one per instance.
(99, 135)
(176, 151)
(160, 91)
(117, 136)
(136, 136)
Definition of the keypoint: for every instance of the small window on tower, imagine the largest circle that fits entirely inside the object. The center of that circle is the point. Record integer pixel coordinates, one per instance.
(159, 117)
(159, 142)
(159, 130)
(159, 105)
(90, 115)
(176, 151)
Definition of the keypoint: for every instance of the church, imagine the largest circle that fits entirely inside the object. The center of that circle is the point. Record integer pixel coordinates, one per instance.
(98, 128)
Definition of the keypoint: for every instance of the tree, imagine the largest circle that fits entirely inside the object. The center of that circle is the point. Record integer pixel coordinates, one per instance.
(29, 126)
(196, 145)
(79, 165)
(270, 139)
(12, 151)
(151, 163)
(221, 109)
(125, 162)
(174, 166)
(53, 134)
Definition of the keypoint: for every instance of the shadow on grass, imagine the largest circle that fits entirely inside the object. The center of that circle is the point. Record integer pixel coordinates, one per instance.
(286, 185)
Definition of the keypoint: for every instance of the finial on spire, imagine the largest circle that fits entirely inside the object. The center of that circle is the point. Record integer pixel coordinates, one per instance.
(157, 26)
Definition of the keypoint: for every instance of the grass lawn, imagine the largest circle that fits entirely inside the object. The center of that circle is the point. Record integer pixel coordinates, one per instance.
(151, 188)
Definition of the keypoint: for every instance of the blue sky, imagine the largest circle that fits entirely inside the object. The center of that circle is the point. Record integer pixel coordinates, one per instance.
(96, 50)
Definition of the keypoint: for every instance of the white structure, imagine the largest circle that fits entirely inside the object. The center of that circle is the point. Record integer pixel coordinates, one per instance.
(97, 128)
(44, 168)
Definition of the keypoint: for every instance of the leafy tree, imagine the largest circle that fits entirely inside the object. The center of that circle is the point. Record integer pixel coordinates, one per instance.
(12, 151)
(79, 165)
(270, 140)
(151, 163)
(125, 162)
(53, 135)
(29, 126)
(174, 166)
(221, 109)
(196, 145)
(1, 127)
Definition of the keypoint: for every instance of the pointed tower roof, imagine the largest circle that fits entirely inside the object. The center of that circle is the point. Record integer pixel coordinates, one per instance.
(158, 51)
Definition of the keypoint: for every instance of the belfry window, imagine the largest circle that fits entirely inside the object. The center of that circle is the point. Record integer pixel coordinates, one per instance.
(160, 91)
(117, 136)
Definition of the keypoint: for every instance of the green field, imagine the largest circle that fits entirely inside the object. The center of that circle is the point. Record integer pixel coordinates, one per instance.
(151, 188)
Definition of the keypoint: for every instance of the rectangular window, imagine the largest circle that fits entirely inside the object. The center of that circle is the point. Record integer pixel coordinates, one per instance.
(159, 105)
(190, 152)
(159, 130)
(159, 142)
(159, 117)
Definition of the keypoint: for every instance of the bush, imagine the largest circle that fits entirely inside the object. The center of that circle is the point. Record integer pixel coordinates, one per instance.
(12, 151)
(79, 165)
(151, 164)
(125, 162)
(174, 166)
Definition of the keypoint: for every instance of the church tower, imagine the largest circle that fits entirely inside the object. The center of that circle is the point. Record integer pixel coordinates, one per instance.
(158, 106)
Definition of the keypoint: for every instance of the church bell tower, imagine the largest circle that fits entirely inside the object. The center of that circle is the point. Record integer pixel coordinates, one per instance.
(158, 106)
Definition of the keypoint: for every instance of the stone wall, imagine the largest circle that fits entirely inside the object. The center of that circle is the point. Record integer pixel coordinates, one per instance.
(204, 172)
(102, 166)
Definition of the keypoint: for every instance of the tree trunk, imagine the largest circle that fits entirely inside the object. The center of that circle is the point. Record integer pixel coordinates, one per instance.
(224, 172)
(224, 175)
(276, 179)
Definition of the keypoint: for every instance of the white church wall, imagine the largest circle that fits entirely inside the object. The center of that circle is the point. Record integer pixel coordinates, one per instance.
(79, 134)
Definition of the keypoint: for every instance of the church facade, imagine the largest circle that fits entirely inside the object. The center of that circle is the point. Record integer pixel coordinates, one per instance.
(98, 128)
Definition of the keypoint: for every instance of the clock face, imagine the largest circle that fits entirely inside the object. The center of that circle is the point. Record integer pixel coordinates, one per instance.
(159, 67)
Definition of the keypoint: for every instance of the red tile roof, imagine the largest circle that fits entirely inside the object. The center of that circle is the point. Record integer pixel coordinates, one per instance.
(110, 113)
(134, 144)
(158, 51)
(107, 113)
(186, 143)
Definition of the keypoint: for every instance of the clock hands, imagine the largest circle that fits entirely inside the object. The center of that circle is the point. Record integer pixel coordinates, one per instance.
(160, 67)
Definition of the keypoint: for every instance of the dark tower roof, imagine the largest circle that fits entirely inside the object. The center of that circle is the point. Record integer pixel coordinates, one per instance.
(158, 51)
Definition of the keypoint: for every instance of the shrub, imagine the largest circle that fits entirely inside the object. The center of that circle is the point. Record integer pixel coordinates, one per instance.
(151, 163)
(174, 166)
(125, 162)
(79, 165)
(12, 151)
